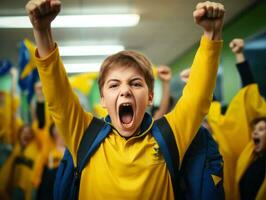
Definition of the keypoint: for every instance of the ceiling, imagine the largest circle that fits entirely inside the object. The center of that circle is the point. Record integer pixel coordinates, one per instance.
(165, 31)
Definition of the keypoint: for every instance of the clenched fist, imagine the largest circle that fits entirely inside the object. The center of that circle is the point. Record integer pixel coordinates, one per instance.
(237, 45)
(42, 12)
(164, 73)
(209, 15)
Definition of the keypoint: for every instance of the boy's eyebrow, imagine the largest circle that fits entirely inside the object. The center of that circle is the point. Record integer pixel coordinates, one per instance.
(136, 79)
(117, 80)
(113, 79)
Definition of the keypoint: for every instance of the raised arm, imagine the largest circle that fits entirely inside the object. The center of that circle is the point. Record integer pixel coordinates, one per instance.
(41, 14)
(243, 67)
(63, 104)
(194, 103)
(165, 75)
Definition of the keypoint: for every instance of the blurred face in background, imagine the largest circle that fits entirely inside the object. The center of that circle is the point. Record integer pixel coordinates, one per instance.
(259, 136)
(26, 135)
(38, 89)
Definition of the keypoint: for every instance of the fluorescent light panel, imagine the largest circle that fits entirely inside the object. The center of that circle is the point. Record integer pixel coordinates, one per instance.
(82, 67)
(75, 21)
(92, 50)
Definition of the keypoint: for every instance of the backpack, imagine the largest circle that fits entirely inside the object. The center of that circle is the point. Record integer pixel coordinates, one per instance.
(188, 182)
(201, 173)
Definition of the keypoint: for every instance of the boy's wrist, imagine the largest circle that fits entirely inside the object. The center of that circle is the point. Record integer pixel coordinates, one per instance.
(44, 41)
(165, 82)
(213, 35)
(240, 58)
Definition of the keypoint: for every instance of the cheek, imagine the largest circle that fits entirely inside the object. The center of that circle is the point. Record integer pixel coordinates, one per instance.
(264, 137)
(108, 101)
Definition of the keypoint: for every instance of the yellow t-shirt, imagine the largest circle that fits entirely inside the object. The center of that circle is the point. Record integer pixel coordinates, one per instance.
(130, 169)
(23, 173)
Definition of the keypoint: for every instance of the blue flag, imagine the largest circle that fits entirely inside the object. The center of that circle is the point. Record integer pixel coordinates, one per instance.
(28, 73)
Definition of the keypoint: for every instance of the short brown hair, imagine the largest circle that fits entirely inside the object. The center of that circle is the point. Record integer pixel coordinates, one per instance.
(127, 58)
(257, 120)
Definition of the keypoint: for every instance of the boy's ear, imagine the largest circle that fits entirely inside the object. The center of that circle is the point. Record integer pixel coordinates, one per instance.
(102, 102)
(150, 100)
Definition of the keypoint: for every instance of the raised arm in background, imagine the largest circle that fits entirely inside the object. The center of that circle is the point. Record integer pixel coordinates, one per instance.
(165, 75)
(243, 67)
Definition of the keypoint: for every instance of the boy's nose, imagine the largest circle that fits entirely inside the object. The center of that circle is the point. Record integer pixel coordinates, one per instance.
(254, 133)
(125, 92)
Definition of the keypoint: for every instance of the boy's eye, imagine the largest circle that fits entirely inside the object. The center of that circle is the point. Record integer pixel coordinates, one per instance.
(113, 85)
(136, 84)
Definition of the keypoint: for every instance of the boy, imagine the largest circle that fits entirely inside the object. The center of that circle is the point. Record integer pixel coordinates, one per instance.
(127, 164)
(250, 171)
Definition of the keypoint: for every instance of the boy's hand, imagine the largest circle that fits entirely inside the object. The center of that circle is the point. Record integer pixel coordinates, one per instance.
(209, 15)
(164, 73)
(237, 45)
(42, 13)
(184, 75)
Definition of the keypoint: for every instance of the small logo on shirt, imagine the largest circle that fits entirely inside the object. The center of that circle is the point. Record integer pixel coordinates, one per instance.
(156, 152)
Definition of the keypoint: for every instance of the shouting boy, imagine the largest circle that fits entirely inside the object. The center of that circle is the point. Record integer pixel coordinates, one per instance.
(127, 164)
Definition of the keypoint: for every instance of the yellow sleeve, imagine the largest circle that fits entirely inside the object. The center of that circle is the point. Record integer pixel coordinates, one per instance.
(262, 191)
(64, 107)
(186, 117)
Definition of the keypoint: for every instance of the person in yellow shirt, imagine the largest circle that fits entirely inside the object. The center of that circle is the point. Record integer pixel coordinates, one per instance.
(251, 165)
(127, 164)
(24, 154)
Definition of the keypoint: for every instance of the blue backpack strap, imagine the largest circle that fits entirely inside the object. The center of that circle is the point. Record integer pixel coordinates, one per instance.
(89, 136)
(68, 176)
(84, 146)
(94, 146)
(163, 134)
(93, 137)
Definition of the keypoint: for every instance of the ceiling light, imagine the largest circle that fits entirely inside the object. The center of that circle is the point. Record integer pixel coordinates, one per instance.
(82, 67)
(92, 50)
(75, 21)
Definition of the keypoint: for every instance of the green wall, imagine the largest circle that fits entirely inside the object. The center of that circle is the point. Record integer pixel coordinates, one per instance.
(248, 23)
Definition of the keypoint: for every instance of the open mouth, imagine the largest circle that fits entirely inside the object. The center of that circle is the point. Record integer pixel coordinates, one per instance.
(126, 114)
(256, 141)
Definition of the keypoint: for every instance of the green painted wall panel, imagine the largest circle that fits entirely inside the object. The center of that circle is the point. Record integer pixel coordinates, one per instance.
(248, 23)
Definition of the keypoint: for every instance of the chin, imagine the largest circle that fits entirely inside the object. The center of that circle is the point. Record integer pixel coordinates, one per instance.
(127, 134)
(258, 150)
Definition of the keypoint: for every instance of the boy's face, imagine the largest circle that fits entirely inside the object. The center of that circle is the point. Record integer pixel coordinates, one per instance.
(259, 136)
(38, 88)
(125, 95)
(26, 136)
